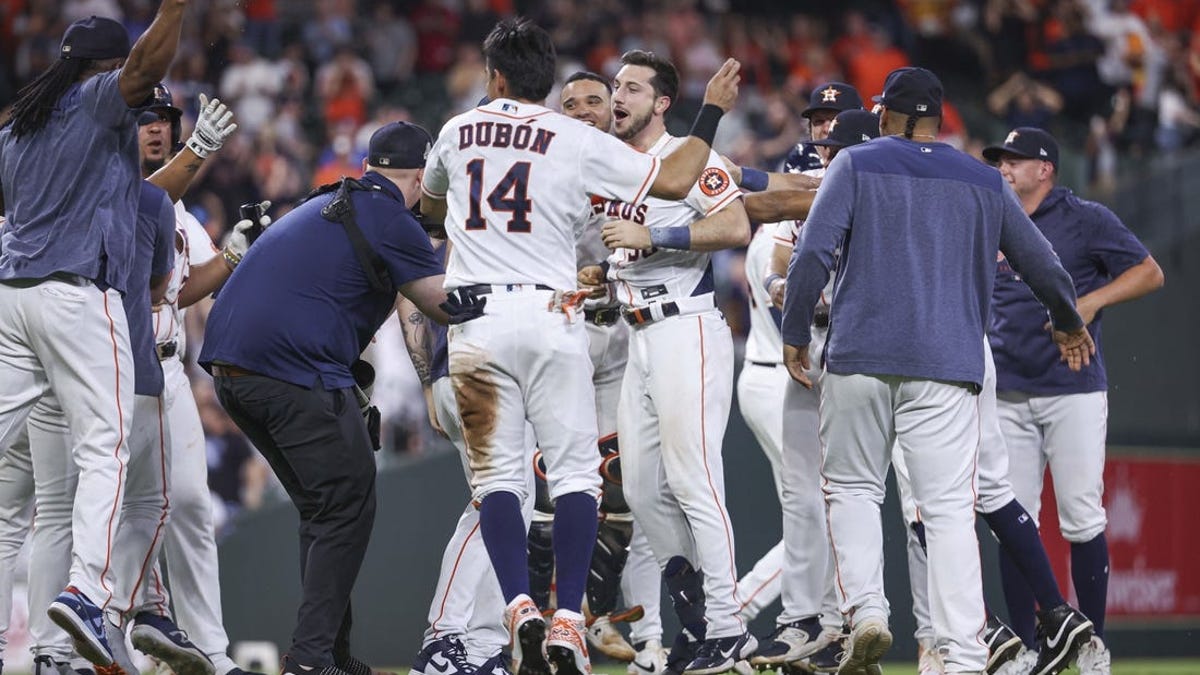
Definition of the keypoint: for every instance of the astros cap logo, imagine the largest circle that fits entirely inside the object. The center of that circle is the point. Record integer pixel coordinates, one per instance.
(830, 94)
(1012, 138)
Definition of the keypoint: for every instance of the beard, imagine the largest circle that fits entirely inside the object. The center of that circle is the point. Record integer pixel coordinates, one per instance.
(149, 166)
(636, 124)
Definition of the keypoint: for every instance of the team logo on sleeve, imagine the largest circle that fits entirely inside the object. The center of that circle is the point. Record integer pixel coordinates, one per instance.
(713, 181)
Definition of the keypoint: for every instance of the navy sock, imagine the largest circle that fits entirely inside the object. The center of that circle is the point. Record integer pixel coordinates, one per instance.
(575, 524)
(1089, 572)
(1019, 598)
(504, 534)
(1018, 535)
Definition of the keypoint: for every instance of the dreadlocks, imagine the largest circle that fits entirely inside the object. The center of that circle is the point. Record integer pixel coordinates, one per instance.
(910, 125)
(38, 99)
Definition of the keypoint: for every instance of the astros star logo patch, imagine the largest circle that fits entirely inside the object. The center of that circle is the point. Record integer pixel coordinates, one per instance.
(713, 181)
(830, 94)
(1012, 138)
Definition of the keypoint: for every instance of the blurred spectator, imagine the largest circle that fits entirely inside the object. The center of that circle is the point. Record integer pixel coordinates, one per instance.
(341, 161)
(1072, 59)
(329, 28)
(1178, 120)
(392, 46)
(250, 85)
(1024, 102)
(1007, 25)
(74, 10)
(437, 32)
(466, 82)
(869, 66)
(262, 27)
(344, 85)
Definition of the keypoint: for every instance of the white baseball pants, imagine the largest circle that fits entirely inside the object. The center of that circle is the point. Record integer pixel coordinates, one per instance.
(674, 407)
(16, 515)
(937, 427)
(74, 340)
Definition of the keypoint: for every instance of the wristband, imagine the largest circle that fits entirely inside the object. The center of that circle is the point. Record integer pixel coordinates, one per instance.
(231, 258)
(705, 126)
(754, 180)
(771, 278)
(678, 238)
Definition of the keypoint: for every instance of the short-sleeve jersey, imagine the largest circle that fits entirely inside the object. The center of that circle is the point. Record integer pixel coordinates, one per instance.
(764, 344)
(644, 276)
(516, 179)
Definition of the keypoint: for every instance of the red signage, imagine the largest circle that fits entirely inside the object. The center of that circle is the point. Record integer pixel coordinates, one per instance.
(1153, 506)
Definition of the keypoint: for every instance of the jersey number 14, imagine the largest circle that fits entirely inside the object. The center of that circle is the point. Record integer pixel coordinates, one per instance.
(509, 195)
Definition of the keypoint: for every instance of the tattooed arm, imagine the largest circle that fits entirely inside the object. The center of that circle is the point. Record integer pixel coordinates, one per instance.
(419, 343)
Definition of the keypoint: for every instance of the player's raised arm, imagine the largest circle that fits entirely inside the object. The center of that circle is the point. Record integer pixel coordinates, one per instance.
(776, 205)
(152, 53)
(682, 168)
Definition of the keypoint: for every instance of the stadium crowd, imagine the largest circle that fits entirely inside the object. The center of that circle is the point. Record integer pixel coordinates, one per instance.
(311, 80)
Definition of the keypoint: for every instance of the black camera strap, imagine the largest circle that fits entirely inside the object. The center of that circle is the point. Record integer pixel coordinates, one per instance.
(341, 210)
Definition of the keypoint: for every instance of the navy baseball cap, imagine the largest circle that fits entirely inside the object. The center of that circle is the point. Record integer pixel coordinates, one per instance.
(851, 127)
(95, 37)
(912, 91)
(837, 96)
(399, 145)
(1026, 142)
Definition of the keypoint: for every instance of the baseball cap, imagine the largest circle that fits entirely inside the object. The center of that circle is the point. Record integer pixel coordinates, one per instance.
(161, 100)
(399, 145)
(95, 37)
(1027, 142)
(912, 91)
(851, 127)
(832, 96)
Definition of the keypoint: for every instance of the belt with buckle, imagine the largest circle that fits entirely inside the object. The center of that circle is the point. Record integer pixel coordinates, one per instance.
(230, 371)
(821, 317)
(602, 316)
(166, 350)
(637, 316)
(65, 277)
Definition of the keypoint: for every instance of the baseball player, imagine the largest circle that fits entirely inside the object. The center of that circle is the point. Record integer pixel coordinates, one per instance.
(512, 180)
(784, 417)
(622, 559)
(881, 383)
(1050, 414)
(65, 264)
(466, 629)
(189, 547)
(677, 389)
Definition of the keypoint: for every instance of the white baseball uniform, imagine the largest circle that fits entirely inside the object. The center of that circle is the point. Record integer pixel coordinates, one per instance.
(806, 581)
(532, 169)
(189, 548)
(16, 515)
(467, 600)
(677, 391)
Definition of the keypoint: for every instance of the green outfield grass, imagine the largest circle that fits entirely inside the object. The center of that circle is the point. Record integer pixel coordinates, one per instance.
(1122, 667)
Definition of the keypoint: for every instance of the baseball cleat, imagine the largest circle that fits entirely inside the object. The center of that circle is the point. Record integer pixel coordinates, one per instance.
(84, 622)
(1061, 632)
(1021, 665)
(789, 642)
(869, 641)
(290, 667)
(566, 647)
(605, 637)
(1094, 658)
(651, 659)
(496, 665)
(827, 659)
(159, 637)
(719, 655)
(527, 629)
(1003, 644)
(443, 656)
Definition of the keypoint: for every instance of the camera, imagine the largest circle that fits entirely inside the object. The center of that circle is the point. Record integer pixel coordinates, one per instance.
(253, 212)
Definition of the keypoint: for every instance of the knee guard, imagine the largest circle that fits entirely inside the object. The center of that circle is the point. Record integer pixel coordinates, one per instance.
(541, 561)
(685, 585)
(608, 561)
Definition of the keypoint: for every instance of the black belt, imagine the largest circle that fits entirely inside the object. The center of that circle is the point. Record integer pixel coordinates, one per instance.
(65, 277)
(640, 315)
(231, 371)
(602, 316)
(764, 364)
(821, 317)
(166, 350)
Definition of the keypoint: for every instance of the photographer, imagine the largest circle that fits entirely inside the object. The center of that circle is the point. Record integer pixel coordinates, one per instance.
(281, 342)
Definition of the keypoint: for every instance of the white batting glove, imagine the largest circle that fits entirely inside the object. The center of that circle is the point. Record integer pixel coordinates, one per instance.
(239, 239)
(213, 126)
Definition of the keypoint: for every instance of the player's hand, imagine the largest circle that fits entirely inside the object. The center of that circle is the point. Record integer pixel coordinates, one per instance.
(735, 171)
(432, 408)
(778, 286)
(213, 126)
(795, 359)
(722, 89)
(591, 279)
(1076, 347)
(243, 235)
(625, 234)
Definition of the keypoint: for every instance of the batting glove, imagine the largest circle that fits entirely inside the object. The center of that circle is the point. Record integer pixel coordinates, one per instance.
(213, 126)
(463, 309)
(244, 233)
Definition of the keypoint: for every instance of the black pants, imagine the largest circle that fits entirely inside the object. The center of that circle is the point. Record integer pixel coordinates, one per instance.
(317, 444)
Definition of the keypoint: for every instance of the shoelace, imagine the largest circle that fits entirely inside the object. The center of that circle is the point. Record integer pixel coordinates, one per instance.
(458, 656)
(351, 665)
